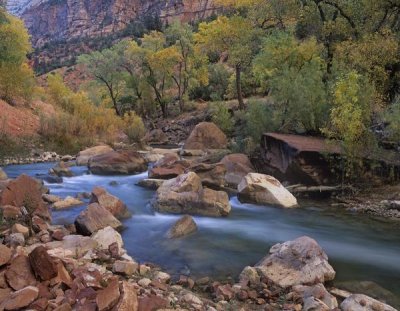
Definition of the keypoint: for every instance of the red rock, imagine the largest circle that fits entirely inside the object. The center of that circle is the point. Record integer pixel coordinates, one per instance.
(87, 277)
(95, 218)
(111, 203)
(125, 267)
(129, 299)
(118, 162)
(87, 293)
(152, 302)
(4, 294)
(19, 273)
(39, 224)
(108, 297)
(237, 166)
(225, 291)
(211, 175)
(39, 304)
(21, 298)
(159, 285)
(184, 226)
(3, 282)
(42, 264)
(64, 307)
(206, 135)
(25, 191)
(44, 291)
(10, 212)
(58, 235)
(169, 166)
(62, 275)
(5, 255)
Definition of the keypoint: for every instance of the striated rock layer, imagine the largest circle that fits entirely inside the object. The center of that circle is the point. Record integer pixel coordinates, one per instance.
(57, 20)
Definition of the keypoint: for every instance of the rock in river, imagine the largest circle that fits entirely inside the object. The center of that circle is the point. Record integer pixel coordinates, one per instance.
(184, 226)
(264, 189)
(118, 162)
(237, 166)
(3, 175)
(94, 218)
(298, 262)
(111, 203)
(85, 155)
(186, 195)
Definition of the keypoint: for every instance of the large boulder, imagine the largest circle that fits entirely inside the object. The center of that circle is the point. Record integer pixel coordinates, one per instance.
(19, 273)
(3, 175)
(298, 262)
(184, 226)
(61, 170)
(212, 175)
(111, 203)
(25, 191)
(156, 137)
(237, 167)
(94, 218)
(359, 302)
(107, 236)
(265, 189)
(21, 298)
(186, 195)
(118, 162)
(168, 167)
(206, 135)
(85, 155)
(44, 266)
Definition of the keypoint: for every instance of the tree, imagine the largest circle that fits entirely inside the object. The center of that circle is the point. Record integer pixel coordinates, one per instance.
(16, 76)
(191, 69)
(106, 67)
(234, 36)
(292, 71)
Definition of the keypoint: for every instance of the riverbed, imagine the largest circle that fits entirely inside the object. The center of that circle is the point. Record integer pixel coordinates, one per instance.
(359, 248)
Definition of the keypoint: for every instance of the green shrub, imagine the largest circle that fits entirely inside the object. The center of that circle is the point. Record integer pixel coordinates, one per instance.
(259, 118)
(134, 127)
(222, 117)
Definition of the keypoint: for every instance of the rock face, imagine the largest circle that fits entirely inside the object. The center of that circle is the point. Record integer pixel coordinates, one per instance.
(265, 189)
(186, 195)
(85, 155)
(95, 218)
(237, 167)
(184, 226)
(359, 302)
(25, 191)
(298, 262)
(206, 135)
(111, 203)
(118, 162)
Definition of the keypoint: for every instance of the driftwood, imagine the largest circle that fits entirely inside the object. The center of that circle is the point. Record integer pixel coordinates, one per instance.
(313, 190)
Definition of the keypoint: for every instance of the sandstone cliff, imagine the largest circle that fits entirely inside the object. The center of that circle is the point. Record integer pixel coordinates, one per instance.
(63, 20)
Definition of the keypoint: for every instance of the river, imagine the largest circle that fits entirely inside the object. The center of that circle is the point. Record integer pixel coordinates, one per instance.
(359, 248)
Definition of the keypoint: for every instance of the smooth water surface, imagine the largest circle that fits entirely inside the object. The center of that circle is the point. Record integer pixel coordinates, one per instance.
(359, 248)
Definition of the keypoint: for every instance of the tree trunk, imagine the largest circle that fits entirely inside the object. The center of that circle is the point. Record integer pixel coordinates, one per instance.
(239, 88)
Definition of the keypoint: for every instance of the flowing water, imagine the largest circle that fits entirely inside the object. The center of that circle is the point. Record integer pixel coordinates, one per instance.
(359, 248)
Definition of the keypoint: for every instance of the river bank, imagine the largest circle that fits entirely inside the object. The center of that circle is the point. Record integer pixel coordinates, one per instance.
(223, 246)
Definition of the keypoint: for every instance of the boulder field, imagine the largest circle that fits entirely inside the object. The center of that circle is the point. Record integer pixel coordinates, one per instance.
(48, 267)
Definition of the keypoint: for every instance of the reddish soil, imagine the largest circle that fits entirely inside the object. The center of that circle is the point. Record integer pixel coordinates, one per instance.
(22, 121)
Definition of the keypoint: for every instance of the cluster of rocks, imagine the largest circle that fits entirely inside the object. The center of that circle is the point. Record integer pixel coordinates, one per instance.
(83, 266)
(36, 157)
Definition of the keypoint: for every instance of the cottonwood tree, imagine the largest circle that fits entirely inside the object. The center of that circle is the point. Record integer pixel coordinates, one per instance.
(191, 69)
(234, 36)
(106, 67)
